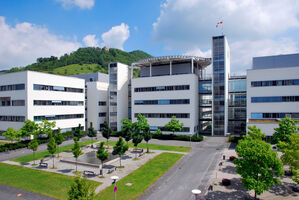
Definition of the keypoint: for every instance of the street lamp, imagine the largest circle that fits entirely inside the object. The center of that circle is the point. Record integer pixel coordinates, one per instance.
(114, 178)
(196, 192)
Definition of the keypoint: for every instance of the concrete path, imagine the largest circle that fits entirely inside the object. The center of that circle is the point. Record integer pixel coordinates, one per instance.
(193, 171)
(10, 193)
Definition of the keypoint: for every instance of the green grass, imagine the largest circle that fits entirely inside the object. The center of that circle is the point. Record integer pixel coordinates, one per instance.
(141, 178)
(28, 158)
(3, 143)
(79, 69)
(45, 183)
(158, 147)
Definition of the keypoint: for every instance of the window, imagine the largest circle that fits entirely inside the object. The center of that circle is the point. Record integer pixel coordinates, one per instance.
(12, 87)
(102, 114)
(274, 115)
(102, 103)
(162, 88)
(275, 99)
(58, 117)
(164, 115)
(274, 83)
(18, 102)
(162, 102)
(57, 103)
(57, 88)
(12, 118)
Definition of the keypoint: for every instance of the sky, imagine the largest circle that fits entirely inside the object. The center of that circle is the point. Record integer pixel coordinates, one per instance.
(41, 28)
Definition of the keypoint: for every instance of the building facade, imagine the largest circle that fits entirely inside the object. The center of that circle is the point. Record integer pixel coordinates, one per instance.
(39, 96)
(272, 91)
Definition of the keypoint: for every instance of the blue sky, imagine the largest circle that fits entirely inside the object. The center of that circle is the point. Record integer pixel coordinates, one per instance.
(40, 28)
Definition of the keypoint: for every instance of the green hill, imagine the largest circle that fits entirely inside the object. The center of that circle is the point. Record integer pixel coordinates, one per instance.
(84, 60)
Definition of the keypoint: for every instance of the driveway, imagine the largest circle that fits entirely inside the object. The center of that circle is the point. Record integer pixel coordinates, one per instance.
(192, 171)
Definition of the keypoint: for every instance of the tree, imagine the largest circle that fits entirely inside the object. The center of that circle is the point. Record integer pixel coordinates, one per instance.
(59, 138)
(127, 129)
(78, 133)
(46, 127)
(290, 155)
(30, 128)
(102, 155)
(52, 146)
(257, 164)
(174, 125)
(77, 151)
(12, 134)
(147, 136)
(81, 190)
(120, 149)
(107, 131)
(286, 128)
(91, 132)
(33, 145)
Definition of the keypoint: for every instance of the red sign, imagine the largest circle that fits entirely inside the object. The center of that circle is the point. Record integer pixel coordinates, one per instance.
(115, 189)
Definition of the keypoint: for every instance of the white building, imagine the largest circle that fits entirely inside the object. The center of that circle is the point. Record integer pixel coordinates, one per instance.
(39, 96)
(97, 104)
(168, 86)
(118, 94)
(272, 91)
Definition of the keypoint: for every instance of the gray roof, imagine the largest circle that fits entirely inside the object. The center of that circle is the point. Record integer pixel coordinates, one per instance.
(278, 61)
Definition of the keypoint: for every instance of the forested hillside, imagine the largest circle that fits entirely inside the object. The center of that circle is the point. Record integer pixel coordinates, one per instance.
(84, 60)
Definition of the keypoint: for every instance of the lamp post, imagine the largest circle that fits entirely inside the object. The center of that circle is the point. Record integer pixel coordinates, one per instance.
(114, 178)
(196, 192)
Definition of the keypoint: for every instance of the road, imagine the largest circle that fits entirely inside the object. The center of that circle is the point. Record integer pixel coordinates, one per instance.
(192, 171)
(10, 193)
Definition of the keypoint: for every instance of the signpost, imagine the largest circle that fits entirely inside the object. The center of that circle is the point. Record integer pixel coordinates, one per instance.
(114, 178)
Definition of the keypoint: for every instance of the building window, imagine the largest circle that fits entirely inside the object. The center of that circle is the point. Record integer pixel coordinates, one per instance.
(18, 102)
(58, 117)
(275, 83)
(164, 115)
(57, 103)
(57, 88)
(274, 99)
(5, 101)
(12, 87)
(102, 103)
(162, 102)
(162, 128)
(274, 115)
(162, 88)
(12, 118)
(102, 114)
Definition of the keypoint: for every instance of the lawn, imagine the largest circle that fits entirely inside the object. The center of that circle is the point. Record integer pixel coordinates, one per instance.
(45, 183)
(158, 147)
(141, 178)
(28, 158)
(2, 143)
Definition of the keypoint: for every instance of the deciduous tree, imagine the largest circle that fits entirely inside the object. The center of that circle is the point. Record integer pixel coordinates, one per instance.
(120, 149)
(52, 146)
(33, 145)
(59, 138)
(286, 128)
(147, 136)
(12, 134)
(77, 152)
(102, 154)
(78, 133)
(127, 129)
(81, 190)
(257, 164)
(30, 128)
(91, 132)
(106, 131)
(174, 125)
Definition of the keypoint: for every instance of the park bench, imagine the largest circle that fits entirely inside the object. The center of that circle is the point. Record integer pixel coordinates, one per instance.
(111, 170)
(43, 164)
(86, 172)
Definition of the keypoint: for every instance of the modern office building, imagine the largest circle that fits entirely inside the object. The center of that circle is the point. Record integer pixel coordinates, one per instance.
(39, 96)
(118, 94)
(221, 69)
(272, 91)
(95, 86)
(167, 87)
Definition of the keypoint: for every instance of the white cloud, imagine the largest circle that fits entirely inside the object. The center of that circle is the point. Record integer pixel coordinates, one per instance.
(116, 36)
(189, 25)
(199, 52)
(91, 40)
(82, 4)
(243, 51)
(22, 44)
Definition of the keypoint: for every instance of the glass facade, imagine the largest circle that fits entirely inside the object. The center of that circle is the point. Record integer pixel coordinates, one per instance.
(162, 102)
(274, 115)
(275, 99)
(219, 77)
(275, 83)
(113, 95)
(237, 85)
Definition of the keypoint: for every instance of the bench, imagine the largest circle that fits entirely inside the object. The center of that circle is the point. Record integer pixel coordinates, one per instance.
(111, 170)
(42, 163)
(86, 172)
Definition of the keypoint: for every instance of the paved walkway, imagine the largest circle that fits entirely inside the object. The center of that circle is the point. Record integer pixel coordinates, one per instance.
(10, 193)
(192, 171)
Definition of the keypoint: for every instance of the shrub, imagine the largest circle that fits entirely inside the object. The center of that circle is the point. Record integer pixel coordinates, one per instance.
(232, 158)
(194, 138)
(226, 182)
(234, 139)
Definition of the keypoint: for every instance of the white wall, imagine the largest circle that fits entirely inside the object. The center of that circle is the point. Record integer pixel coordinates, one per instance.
(192, 94)
(273, 107)
(96, 91)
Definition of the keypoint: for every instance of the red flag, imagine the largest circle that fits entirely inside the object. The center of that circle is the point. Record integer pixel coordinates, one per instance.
(219, 23)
